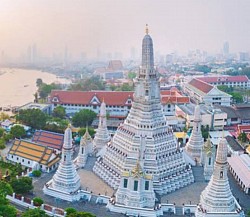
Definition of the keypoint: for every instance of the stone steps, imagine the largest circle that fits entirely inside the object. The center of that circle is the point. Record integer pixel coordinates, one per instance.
(198, 172)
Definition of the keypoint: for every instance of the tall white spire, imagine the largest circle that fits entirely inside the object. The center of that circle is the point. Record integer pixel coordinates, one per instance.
(196, 141)
(66, 178)
(217, 197)
(102, 135)
(145, 131)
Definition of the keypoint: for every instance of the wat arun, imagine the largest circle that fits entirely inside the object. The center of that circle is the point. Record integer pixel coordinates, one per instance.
(145, 132)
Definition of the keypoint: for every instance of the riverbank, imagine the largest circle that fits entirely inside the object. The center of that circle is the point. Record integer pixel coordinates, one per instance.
(18, 86)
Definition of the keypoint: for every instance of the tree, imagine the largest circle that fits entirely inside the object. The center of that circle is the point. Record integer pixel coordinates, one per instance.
(205, 131)
(2, 143)
(37, 173)
(81, 214)
(37, 201)
(39, 82)
(34, 213)
(82, 131)
(70, 210)
(202, 68)
(225, 88)
(4, 116)
(59, 112)
(8, 211)
(21, 185)
(131, 75)
(83, 118)
(34, 118)
(242, 137)
(1, 132)
(237, 97)
(87, 84)
(17, 131)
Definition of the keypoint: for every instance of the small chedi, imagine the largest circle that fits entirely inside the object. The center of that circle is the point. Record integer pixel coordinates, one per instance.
(217, 199)
(102, 135)
(66, 181)
(196, 141)
(208, 158)
(86, 149)
(146, 125)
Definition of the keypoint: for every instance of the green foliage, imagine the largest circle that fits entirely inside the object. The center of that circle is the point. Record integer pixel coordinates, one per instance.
(21, 185)
(87, 84)
(2, 143)
(4, 116)
(37, 173)
(131, 75)
(81, 214)
(205, 131)
(34, 118)
(56, 125)
(17, 131)
(59, 112)
(39, 82)
(225, 88)
(7, 137)
(82, 131)
(243, 137)
(5, 189)
(83, 118)
(237, 97)
(8, 211)
(202, 68)
(123, 87)
(70, 210)
(1, 132)
(45, 89)
(38, 201)
(34, 213)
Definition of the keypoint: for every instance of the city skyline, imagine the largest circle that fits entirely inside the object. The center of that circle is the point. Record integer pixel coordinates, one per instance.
(89, 27)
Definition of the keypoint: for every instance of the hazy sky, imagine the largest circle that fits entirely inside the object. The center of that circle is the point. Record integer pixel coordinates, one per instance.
(118, 25)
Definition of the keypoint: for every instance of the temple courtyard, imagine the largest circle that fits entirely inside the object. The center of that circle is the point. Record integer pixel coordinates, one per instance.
(91, 182)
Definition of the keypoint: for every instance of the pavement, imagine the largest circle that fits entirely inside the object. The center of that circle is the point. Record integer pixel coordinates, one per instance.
(91, 182)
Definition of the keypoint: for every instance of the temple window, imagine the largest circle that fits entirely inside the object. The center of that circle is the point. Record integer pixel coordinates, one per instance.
(146, 185)
(209, 161)
(125, 183)
(221, 174)
(135, 185)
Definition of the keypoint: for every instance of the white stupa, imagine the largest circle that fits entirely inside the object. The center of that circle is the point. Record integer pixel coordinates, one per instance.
(217, 199)
(196, 141)
(102, 135)
(66, 181)
(86, 149)
(146, 125)
(208, 158)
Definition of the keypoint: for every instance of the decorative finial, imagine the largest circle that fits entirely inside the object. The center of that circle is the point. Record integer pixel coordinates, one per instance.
(147, 29)
(69, 125)
(102, 99)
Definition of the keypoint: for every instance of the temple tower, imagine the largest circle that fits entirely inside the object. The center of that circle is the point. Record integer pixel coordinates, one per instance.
(102, 135)
(208, 158)
(86, 149)
(217, 198)
(145, 130)
(66, 178)
(196, 141)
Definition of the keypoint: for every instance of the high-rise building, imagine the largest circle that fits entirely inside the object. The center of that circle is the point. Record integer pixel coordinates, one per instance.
(226, 48)
(145, 131)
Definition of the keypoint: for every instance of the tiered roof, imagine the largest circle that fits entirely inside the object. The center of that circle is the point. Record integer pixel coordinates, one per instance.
(34, 152)
(48, 139)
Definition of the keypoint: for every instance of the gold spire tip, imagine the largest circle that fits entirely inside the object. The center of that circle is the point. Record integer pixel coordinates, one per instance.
(147, 29)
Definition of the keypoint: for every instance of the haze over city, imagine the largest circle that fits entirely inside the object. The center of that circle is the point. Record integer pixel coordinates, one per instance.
(117, 26)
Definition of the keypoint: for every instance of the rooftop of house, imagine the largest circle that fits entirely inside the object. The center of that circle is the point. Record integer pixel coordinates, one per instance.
(236, 111)
(215, 79)
(201, 85)
(32, 151)
(234, 144)
(48, 139)
(32, 105)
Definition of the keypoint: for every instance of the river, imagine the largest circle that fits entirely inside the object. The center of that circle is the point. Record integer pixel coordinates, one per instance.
(18, 86)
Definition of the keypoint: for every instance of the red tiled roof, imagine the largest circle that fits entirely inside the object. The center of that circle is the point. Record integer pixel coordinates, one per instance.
(49, 139)
(111, 98)
(240, 78)
(244, 128)
(201, 85)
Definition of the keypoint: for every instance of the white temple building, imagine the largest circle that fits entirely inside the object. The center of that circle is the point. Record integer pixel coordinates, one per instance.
(146, 125)
(66, 181)
(196, 141)
(102, 135)
(86, 149)
(208, 158)
(217, 199)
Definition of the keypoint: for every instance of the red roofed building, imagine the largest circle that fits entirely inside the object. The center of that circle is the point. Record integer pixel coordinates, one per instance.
(243, 129)
(49, 139)
(202, 92)
(230, 81)
(118, 103)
